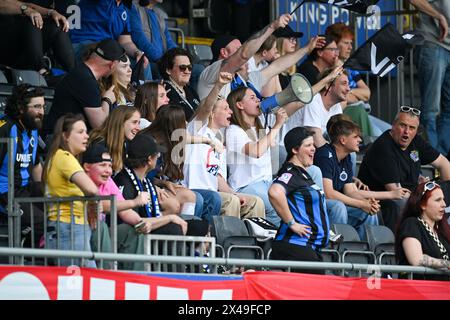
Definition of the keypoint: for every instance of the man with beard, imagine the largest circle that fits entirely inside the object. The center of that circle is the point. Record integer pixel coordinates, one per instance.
(395, 159)
(24, 113)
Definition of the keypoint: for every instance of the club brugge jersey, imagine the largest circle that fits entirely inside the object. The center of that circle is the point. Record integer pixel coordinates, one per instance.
(25, 145)
(307, 204)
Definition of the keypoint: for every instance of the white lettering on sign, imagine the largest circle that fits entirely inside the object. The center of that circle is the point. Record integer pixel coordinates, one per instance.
(22, 286)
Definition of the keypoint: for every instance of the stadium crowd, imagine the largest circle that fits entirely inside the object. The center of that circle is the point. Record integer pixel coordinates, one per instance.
(183, 143)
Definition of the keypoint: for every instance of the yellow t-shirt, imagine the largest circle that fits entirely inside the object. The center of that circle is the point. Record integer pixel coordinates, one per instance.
(62, 167)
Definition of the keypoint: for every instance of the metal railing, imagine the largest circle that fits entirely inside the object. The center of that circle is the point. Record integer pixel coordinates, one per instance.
(267, 264)
(167, 245)
(46, 202)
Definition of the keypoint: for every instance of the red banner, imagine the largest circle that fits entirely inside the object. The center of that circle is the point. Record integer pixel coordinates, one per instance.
(75, 283)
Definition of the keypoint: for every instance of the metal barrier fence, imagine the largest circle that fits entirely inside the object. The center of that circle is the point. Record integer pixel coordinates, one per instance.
(167, 245)
(34, 206)
(389, 92)
(375, 270)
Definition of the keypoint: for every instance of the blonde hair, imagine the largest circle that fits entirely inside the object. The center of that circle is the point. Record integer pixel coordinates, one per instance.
(292, 69)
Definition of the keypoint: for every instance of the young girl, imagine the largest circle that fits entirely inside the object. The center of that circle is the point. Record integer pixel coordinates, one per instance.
(248, 148)
(169, 130)
(150, 97)
(116, 132)
(64, 177)
(206, 168)
(120, 79)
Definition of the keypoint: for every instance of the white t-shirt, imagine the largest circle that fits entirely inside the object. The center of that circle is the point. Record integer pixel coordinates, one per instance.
(243, 169)
(253, 67)
(144, 123)
(209, 77)
(202, 164)
(312, 115)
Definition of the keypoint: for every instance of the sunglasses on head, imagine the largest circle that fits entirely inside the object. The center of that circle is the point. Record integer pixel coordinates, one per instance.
(429, 186)
(414, 111)
(183, 67)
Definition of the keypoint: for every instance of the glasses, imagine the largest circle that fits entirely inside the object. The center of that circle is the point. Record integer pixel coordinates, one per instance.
(414, 111)
(38, 106)
(183, 67)
(429, 186)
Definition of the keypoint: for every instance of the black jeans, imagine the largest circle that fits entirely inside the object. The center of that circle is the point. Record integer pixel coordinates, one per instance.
(23, 45)
(35, 221)
(287, 251)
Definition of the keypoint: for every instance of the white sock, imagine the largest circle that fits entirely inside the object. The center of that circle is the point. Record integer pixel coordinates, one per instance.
(188, 208)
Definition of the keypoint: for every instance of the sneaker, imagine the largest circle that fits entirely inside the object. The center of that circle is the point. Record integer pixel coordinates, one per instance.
(335, 238)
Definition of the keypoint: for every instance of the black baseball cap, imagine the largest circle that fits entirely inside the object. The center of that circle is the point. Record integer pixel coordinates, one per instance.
(287, 32)
(94, 153)
(220, 42)
(294, 139)
(111, 50)
(143, 146)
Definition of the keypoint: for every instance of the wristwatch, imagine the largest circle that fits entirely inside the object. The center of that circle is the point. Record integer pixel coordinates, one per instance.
(23, 8)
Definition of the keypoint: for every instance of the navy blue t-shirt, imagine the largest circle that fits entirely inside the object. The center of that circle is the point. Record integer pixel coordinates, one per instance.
(340, 172)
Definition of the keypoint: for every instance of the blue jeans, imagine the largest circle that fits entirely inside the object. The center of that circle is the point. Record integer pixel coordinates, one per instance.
(433, 64)
(337, 212)
(261, 189)
(81, 236)
(357, 218)
(207, 204)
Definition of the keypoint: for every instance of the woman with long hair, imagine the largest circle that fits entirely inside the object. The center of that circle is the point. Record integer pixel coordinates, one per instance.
(150, 96)
(169, 130)
(120, 126)
(423, 235)
(63, 176)
(121, 80)
(248, 147)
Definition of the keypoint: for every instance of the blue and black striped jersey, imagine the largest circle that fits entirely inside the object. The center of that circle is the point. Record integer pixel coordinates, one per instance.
(307, 204)
(25, 153)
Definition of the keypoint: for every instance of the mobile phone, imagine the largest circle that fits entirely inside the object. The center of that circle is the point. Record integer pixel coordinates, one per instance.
(139, 225)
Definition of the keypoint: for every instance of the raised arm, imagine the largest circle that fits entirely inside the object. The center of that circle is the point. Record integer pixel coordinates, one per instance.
(292, 107)
(288, 60)
(206, 106)
(249, 47)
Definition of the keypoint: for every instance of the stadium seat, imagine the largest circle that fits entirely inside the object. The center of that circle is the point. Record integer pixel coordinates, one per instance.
(233, 239)
(202, 54)
(352, 249)
(28, 76)
(381, 242)
(3, 77)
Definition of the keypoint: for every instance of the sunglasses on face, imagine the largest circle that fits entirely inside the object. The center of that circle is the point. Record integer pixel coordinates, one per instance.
(429, 186)
(414, 111)
(183, 67)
